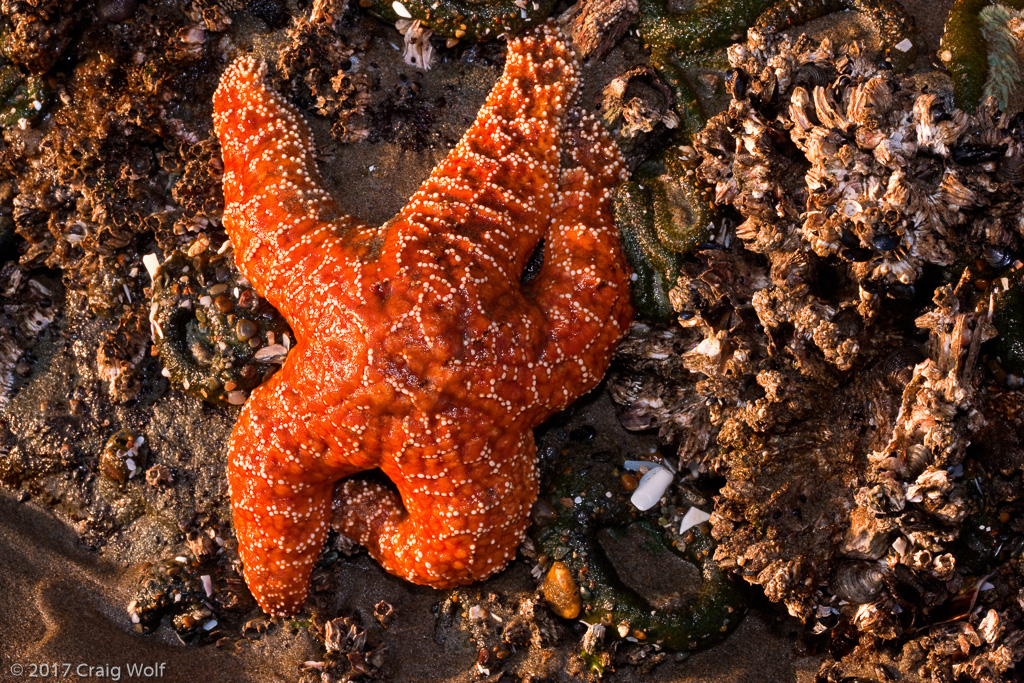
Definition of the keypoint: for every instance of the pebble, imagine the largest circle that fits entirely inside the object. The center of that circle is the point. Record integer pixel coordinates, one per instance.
(561, 592)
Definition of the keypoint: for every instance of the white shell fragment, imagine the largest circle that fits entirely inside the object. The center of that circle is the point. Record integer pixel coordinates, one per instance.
(400, 10)
(274, 353)
(692, 518)
(904, 45)
(152, 262)
(652, 488)
(207, 584)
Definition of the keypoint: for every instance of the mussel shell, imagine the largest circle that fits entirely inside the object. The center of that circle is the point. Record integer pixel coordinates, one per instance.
(115, 11)
(857, 254)
(1011, 169)
(919, 457)
(968, 153)
(885, 241)
(812, 74)
(736, 82)
(857, 582)
(996, 256)
(897, 367)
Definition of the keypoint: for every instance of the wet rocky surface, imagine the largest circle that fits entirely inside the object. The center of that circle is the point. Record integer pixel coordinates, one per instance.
(106, 563)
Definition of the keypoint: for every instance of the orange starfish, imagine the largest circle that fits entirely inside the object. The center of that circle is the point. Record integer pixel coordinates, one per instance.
(419, 349)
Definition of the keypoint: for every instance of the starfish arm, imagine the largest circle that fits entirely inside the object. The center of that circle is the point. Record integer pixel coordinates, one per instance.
(490, 198)
(281, 486)
(463, 517)
(582, 285)
(283, 224)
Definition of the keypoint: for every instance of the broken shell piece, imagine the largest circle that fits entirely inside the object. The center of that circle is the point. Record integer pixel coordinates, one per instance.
(274, 353)
(152, 262)
(692, 518)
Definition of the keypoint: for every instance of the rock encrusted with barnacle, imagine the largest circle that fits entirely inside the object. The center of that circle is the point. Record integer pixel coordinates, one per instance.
(838, 342)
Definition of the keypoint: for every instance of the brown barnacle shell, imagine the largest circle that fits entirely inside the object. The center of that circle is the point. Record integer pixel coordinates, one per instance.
(857, 582)
(866, 538)
(801, 111)
(869, 137)
(884, 498)
(827, 109)
(870, 102)
(932, 483)
(954, 193)
(991, 627)
(875, 619)
(936, 128)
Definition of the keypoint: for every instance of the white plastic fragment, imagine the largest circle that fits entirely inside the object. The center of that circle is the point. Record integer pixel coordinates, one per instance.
(400, 10)
(692, 518)
(652, 487)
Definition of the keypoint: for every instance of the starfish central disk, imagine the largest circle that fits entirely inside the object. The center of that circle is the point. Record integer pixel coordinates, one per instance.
(420, 351)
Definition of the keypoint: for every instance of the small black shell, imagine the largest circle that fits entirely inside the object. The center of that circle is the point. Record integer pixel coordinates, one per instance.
(736, 81)
(996, 256)
(1011, 169)
(885, 241)
(968, 153)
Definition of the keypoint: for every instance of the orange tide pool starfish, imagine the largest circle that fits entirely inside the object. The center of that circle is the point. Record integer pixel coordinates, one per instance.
(419, 351)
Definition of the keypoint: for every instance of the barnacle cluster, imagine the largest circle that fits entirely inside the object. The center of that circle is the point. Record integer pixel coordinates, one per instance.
(836, 353)
(194, 594)
(26, 309)
(216, 337)
(657, 228)
(112, 155)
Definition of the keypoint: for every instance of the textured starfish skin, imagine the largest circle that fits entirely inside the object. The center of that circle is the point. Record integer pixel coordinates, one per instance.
(419, 351)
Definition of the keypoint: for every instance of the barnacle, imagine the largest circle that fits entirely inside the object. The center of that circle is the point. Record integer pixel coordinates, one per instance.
(27, 309)
(584, 500)
(194, 594)
(458, 19)
(216, 337)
